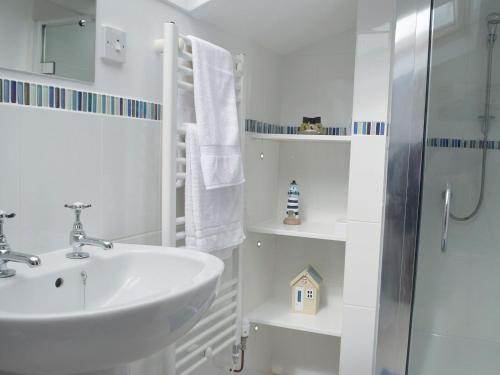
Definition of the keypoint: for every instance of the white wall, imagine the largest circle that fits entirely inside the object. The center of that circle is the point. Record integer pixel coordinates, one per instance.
(373, 60)
(51, 157)
(16, 38)
(318, 81)
(366, 188)
(109, 172)
(139, 76)
(117, 158)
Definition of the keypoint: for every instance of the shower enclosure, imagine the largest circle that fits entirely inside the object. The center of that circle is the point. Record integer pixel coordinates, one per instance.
(440, 311)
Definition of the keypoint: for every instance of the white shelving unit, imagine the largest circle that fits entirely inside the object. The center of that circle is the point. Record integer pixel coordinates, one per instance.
(303, 137)
(322, 171)
(321, 231)
(328, 321)
(275, 252)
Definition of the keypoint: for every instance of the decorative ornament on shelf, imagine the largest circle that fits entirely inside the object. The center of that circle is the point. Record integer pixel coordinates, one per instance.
(311, 125)
(292, 206)
(305, 291)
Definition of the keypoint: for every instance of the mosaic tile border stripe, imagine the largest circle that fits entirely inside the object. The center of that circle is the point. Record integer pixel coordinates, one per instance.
(369, 128)
(473, 144)
(254, 126)
(54, 97)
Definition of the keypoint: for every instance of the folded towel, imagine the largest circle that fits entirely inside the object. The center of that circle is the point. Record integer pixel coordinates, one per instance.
(213, 217)
(216, 115)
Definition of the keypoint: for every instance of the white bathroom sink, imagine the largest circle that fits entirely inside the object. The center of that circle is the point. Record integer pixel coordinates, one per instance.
(115, 307)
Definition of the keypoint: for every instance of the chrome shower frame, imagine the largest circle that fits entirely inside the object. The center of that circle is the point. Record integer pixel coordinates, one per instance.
(404, 176)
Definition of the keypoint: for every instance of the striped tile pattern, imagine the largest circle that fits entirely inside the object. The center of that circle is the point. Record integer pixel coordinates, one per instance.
(329, 130)
(369, 128)
(254, 126)
(52, 97)
(477, 144)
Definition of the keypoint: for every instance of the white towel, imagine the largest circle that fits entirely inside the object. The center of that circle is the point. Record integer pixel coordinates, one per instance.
(216, 115)
(213, 217)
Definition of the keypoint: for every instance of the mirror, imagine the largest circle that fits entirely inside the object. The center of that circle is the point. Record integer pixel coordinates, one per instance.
(50, 37)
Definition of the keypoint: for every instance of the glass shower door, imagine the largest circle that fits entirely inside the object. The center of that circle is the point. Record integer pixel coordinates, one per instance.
(456, 309)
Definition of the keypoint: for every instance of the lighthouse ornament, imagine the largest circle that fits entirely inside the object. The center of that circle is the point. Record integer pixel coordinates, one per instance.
(292, 206)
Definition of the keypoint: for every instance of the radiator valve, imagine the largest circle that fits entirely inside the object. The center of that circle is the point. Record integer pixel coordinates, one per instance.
(239, 350)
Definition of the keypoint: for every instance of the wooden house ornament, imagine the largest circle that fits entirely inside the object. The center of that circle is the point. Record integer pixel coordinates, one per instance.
(305, 291)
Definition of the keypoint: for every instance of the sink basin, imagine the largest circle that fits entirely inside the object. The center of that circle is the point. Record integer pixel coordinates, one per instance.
(118, 306)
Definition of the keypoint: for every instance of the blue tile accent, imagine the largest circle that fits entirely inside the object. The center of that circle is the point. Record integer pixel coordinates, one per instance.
(13, 96)
(63, 98)
(84, 102)
(19, 90)
(79, 100)
(103, 103)
(456, 143)
(39, 101)
(369, 128)
(255, 126)
(57, 97)
(53, 97)
(6, 91)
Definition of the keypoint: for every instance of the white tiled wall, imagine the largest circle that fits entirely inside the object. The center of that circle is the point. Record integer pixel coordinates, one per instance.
(54, 157)
(362, 264)
(131, 169)
(358, 341)
(318, 81)
(51, 157)
(366, 188)
(58, 157)
(371, 82)
(366, 182)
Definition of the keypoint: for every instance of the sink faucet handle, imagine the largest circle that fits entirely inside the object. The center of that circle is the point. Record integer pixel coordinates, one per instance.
(5, 215)
(4, 246)
(77, 206)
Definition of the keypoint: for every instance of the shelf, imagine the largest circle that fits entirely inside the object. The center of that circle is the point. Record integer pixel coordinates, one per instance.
(322, 231)
(303, 137)
(328, 320)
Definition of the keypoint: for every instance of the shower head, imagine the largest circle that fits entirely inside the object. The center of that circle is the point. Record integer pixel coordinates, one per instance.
(493, 20)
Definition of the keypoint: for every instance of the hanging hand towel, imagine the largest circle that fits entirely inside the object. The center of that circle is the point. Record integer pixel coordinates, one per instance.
(213, 217)
(216, 115)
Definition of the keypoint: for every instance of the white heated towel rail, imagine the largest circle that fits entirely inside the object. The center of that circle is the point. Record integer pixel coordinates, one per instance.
(219, 328)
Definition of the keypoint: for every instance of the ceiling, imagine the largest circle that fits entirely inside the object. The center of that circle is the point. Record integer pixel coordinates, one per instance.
(46, 10)
(283, 26)
(86, 7)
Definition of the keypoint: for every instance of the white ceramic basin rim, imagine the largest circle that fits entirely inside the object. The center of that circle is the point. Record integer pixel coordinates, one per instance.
(117, 306)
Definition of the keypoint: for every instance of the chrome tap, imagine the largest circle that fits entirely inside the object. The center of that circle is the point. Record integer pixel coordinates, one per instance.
(7, 255)
(78, 237)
